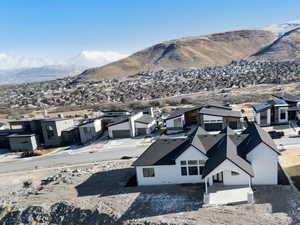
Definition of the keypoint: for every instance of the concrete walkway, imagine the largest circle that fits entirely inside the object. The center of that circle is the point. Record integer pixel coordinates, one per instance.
(222, 195)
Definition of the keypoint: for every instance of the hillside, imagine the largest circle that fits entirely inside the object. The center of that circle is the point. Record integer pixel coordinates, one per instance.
(200, 51)
(286, 47)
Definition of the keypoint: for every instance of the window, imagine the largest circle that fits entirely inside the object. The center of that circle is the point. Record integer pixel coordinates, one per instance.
(233, 173)
(201, 168)
(183, 171)
(50, 131)
(182, 162)
(148, 172)
(192, 167)
(192, 162)
(282, 114)
(193, 170)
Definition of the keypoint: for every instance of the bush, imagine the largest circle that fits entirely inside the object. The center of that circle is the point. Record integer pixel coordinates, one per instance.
(186, 101)
(32, 153)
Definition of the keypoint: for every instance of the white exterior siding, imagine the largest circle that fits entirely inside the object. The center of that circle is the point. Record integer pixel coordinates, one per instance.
(171, 174)
(226, 167)
(120, 126)
(257, 118)
(170, 124)
(264, 162)
(149, 127)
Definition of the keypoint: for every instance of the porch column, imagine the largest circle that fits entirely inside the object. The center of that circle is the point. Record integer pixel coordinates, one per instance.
(205, 181)
(269, 116)
(249, 181)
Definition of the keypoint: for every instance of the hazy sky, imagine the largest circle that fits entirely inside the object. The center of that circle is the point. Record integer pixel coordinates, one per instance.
(63, 28)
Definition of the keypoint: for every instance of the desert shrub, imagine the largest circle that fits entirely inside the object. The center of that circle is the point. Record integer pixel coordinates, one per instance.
(173, 102)
(186, 101)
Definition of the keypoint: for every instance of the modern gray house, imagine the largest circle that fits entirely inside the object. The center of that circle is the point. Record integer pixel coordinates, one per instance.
(22, 142)
(280, 109)
(210, 117)
(52, 130)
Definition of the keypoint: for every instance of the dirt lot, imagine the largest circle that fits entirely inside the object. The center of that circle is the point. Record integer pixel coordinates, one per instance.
(96, 194)
(290, 161)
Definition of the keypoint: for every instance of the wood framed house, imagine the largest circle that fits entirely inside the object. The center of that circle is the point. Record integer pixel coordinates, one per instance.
(250, 158)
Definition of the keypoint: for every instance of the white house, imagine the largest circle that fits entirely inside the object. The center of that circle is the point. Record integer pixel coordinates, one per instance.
(132, 126)
(176, 120)
(226, 158)
(144, 125)
(90, 130)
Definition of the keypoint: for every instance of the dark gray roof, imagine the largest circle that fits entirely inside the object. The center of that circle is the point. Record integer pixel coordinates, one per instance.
(277, 101)
(220, 147)
(288, 97)
(225, 149)
(221, 112)
(256, 135)
(180, 111)
(146, 119)
(261, 107)
(157, 153)
(218, 107)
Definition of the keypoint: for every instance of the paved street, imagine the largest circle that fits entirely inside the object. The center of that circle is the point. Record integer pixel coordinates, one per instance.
(92, 153)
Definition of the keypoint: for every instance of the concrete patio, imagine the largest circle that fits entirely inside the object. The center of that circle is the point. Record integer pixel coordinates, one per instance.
(218, 194)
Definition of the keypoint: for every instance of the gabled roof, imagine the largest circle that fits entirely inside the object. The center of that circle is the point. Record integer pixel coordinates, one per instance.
(225, 149)
(256, 135)
(145, 119)
(157, 153)
(221, 112)
(226, 145)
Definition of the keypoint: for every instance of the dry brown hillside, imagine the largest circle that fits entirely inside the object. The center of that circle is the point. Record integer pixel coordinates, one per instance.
(214, 49)
(284, 48)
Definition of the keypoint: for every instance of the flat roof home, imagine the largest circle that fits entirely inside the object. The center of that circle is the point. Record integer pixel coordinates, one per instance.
(214, 119)
(138, 124)
(22, 142)
(52, 130)
(90, 130)
(144, 125)
(211, 117)
(226, 159)
(281, 109)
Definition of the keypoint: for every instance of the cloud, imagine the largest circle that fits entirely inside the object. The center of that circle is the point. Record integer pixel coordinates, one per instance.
(8, 62)
(96, 58)
(85, 59)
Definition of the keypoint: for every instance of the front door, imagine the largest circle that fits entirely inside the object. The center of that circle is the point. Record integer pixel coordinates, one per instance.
(218, 178)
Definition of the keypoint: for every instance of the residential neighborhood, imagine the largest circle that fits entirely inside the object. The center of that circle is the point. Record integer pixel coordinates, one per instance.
(149, 112)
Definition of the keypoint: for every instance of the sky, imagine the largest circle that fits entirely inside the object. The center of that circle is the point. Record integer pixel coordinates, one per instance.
(60, 29)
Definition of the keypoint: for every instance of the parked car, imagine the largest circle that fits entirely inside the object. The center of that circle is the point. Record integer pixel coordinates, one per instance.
(276, 134)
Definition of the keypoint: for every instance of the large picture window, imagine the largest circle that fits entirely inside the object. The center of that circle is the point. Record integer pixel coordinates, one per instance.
(192, 167)
(283, 114)
(148, 172)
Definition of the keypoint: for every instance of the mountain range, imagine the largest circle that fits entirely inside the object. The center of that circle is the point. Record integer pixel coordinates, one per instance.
(277, 42)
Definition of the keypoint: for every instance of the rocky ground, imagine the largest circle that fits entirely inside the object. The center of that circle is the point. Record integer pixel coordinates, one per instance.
(148, 85)
(97, 194)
